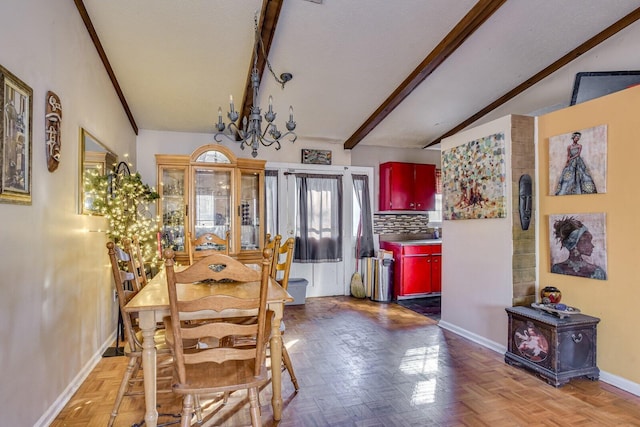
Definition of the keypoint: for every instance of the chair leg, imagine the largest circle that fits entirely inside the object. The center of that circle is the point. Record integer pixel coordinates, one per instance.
(254, 407)
(187, 410)
(132, 368)
(287, 364)
(198, 409)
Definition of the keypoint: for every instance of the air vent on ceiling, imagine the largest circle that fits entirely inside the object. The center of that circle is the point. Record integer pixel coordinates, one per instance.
(315, 1)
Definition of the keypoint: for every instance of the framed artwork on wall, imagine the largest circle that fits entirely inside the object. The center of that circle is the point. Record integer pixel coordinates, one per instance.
(316, 157)
(15, 134)
(474, 179)
(578, 162)
(578, 245)
(593, 84)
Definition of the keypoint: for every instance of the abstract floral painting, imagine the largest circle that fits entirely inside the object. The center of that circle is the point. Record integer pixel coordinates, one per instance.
(578, 162)
(474, 179)
(577, 245)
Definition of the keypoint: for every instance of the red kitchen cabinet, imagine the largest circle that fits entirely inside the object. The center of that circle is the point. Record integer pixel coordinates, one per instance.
(436, 271)
(417, 270)
(407, 187)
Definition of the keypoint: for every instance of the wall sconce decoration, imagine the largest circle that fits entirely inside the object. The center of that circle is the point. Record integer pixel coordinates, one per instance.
(526, 200)
(53, 124)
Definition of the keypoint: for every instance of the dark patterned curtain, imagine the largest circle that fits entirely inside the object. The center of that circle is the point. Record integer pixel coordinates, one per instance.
(364, 244)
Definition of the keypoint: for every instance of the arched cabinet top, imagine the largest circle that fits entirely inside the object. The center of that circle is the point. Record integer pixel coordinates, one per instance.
(213, 153)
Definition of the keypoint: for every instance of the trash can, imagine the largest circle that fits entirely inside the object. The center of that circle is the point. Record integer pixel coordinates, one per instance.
(383, 286)
(298, 290)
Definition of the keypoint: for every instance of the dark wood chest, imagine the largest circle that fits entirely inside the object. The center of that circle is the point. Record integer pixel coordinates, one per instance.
(556, 349)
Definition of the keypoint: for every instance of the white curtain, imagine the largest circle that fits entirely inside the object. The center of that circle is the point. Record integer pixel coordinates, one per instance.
(271, 202)
(319, 225)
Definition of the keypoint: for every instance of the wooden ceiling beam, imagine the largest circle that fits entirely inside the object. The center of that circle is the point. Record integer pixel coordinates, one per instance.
(575, 53)
(477, 16)
(267, 23)
(105, 61)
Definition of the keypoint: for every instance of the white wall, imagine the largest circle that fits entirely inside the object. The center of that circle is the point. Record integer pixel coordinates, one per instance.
(56, 307)
(151, 142)
(477, 281)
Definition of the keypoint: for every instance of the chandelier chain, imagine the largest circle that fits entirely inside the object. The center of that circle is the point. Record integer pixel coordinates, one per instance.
(264, 54)
(250, 133)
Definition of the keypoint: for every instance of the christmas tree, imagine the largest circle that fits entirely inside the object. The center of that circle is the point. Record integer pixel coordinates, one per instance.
(124, 200)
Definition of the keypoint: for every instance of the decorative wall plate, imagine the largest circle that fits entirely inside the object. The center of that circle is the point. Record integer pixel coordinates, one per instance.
(560, 310)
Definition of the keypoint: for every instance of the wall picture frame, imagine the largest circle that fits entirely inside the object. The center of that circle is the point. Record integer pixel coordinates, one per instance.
(594, 84)
(15, 139)
(578, 162)
(316, 157)
(578, 245)
(474, 179)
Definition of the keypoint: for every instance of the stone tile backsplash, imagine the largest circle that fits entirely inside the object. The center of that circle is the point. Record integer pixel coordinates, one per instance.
(401, 224)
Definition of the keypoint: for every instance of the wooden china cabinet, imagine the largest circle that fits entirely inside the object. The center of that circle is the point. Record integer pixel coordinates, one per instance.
(211, 191)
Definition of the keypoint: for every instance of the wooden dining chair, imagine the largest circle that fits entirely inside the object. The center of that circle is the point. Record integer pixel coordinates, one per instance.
(133, 249)
(273, 245)
(123, 268)
(207, 244)
(282, 262)
(214, 369)
(280, 272)
(281, 267)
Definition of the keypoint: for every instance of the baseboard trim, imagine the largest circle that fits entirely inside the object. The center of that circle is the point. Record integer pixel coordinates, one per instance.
(47, 418)
(499, 348)
(614, 380)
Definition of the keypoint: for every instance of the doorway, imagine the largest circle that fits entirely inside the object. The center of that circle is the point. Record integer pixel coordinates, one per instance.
(325, 278)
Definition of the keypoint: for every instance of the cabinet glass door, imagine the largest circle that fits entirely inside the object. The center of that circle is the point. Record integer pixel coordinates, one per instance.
(212, 202)
(172, 207)
(249, 211)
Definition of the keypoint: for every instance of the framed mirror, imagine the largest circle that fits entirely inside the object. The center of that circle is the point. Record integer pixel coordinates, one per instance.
(96, 159)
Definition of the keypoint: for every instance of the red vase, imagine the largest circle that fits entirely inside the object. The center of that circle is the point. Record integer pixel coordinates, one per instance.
(550, 295)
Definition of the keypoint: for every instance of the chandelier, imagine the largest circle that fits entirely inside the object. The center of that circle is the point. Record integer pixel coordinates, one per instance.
(251, 134)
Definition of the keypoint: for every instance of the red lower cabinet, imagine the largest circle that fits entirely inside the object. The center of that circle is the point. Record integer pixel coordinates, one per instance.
(417, 270)
(436, 272)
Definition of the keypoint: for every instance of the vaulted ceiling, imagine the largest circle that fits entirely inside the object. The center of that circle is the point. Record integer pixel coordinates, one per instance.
(400, 73)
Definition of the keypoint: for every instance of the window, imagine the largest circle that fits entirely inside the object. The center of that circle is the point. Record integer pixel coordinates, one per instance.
(319, 223)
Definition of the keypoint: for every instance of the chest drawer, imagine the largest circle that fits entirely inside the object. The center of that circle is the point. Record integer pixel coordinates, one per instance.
(421, 249)
(556, 349)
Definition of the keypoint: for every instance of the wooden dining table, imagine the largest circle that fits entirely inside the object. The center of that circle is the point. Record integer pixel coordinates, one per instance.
(152, 305)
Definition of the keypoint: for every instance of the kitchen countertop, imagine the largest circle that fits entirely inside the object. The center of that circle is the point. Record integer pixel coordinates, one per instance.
(414, 242)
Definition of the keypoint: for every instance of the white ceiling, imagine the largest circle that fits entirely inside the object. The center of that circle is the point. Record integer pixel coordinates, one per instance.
(177, 61)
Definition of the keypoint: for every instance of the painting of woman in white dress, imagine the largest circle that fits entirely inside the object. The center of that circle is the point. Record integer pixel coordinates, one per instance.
(577, 162)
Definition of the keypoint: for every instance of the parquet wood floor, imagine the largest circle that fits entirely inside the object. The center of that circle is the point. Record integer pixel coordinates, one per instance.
(364, 364)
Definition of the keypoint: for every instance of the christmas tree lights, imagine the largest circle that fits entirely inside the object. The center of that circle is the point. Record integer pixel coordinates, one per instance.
(124, 201)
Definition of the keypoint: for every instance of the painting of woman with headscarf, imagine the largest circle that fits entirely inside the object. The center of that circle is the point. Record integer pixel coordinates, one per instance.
(578, 162)
(578, 245)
